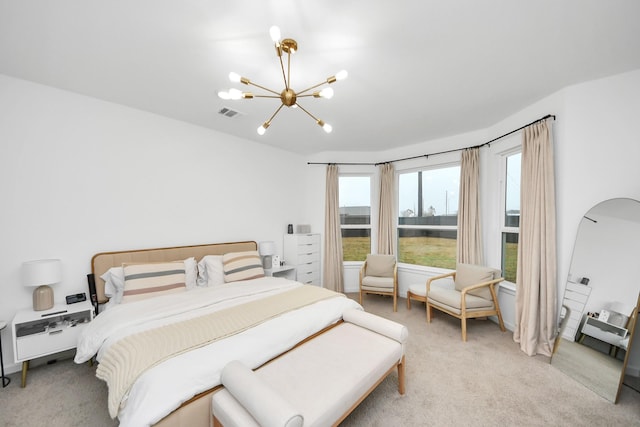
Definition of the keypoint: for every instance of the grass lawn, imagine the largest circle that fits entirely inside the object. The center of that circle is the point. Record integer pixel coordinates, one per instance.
(428, 251)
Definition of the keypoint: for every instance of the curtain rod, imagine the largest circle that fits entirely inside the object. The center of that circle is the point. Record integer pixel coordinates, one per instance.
(440, 152)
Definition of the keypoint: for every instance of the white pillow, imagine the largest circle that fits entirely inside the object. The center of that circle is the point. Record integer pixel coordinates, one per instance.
(191, 272)
(114, 284)
(211, 271)
(114, 280)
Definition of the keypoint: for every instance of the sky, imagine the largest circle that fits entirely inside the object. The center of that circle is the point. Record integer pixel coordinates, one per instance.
(440, 188)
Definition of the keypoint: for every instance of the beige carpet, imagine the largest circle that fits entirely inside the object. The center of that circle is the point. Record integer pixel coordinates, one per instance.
(486, 381)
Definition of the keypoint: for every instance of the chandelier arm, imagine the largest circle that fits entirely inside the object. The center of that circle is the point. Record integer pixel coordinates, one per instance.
(284, 75)
(288, 69)
(266, 96)
(311, 115)
(274, 114)
(263, 88)
(312, 87)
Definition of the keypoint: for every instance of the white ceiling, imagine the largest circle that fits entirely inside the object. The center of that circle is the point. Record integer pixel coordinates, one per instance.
(418, 70)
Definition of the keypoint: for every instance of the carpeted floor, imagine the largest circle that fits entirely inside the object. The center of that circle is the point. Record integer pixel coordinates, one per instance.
(486, 381)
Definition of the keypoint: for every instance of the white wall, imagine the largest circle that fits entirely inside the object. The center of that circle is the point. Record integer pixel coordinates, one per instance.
(80, 176)
(596, 158)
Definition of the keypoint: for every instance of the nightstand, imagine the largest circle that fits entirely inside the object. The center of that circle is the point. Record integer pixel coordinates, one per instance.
(286, 271)
(41, 333)
(603, 331)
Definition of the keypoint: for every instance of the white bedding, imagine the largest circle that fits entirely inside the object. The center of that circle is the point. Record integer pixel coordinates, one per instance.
(163, 388)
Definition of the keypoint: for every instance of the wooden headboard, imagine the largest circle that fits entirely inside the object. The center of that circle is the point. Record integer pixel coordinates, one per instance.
(103, 261)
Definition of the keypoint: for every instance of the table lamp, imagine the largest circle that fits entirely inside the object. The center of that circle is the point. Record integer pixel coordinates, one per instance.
(267, 250)
(42, 273)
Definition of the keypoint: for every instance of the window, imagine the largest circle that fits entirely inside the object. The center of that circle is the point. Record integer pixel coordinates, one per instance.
(428, 216)
(511, 216)
(355, 216)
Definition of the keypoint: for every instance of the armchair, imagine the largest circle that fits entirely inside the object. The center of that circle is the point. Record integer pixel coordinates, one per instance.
(472, 296)
(379, 275)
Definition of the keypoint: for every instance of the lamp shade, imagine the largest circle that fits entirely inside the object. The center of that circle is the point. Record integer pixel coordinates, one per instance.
(42, 273)
(267, 248)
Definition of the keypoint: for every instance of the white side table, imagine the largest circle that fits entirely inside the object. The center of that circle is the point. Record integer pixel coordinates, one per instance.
(5, 380)
(41, 333)
(286, 271)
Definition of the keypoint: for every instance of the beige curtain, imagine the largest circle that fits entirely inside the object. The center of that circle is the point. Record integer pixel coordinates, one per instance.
(386, 212)
(332, 273)
(536, 288)
(469, 231)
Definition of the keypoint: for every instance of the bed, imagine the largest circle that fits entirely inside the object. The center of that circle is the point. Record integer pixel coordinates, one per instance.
(175, 388)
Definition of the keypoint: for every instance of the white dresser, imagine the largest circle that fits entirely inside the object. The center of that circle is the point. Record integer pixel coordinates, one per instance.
(576, 296)
(303, 252)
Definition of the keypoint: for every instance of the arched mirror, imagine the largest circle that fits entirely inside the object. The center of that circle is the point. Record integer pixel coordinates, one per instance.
(600, 305)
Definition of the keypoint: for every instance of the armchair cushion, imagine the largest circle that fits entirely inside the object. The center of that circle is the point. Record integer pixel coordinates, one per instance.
(450, 299)
(469, 274)
(374, 283)
(380, 265)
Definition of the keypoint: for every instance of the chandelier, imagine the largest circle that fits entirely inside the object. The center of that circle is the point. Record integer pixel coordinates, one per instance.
(288, 97)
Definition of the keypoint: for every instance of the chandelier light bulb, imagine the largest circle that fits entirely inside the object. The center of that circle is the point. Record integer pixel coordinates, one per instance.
(341, 75)
(274, 32)
(262, 129)
(327, 93)
(325, 126)
(224, 94)
(235, 93)
(234, 77)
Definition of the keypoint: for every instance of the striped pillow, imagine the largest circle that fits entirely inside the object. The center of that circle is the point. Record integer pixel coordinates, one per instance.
(242, 266)
(150, 280)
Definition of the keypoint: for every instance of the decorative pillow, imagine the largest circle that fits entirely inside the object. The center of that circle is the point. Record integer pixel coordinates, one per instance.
(380, 265)
(143, 281)
(114, 280)
(242, 266)
(211, 271)
(469, 274)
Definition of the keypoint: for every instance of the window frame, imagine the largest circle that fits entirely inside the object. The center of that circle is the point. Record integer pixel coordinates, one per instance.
(372, 216)
(422, 168)
(503, 228)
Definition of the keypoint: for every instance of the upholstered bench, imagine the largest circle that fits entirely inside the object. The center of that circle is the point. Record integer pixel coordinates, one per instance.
(317, 383)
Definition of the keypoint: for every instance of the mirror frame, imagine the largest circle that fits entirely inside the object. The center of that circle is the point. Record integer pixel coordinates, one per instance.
(631, 328)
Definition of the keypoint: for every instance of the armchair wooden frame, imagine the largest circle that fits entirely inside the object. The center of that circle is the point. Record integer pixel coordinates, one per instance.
(393, 293)
(464, 314)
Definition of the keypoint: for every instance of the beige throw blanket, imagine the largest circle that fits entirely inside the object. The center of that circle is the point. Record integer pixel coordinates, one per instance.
(127, 359)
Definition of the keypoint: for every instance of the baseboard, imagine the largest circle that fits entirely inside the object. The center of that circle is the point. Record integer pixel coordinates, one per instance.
(12, 368)
(634, 371)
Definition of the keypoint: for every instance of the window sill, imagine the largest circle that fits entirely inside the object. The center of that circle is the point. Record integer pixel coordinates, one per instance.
(508, 286)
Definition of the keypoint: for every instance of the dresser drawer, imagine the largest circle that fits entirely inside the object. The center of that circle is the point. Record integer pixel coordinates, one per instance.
(308, 239)
(309, 277)
(53, 341)
(308, 258)
(309, 267)
(310, 248)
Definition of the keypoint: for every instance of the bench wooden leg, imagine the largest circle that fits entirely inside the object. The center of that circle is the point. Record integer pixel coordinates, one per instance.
(401, 376)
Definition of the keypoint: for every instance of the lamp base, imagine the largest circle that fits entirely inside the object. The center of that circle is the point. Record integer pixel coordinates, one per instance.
(42, 298)
(267, 262)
